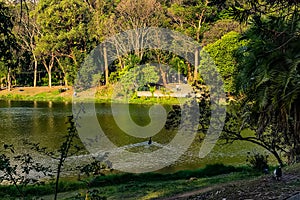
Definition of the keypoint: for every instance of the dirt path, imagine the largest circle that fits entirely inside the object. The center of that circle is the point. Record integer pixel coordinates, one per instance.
(193, 193)
(31, 91)
(265, 187)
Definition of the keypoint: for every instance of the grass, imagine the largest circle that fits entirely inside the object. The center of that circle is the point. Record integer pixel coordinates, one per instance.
(55, 97)
(137, 186)
(14, 97)
(44, 96)
(145, 189)
(209, 170)
(101, 96)
(57, 94)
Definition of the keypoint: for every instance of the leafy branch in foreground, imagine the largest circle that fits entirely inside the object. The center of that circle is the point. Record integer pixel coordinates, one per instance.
(20, 170)
(96, 168)
(67, 149)
(237, 121)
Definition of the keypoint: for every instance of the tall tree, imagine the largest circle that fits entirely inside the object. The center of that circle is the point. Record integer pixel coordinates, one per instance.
(223, 52)
(190, 17)
(27, 30)
(268, 77)
(64, 27)
(219, 29)
(101, 9)
(132, 15)
(7, 42)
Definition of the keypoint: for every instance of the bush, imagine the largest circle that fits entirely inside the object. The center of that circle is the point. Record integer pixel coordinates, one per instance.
(257, 161)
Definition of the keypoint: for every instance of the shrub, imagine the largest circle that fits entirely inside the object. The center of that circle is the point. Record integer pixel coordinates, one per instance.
(257, 161)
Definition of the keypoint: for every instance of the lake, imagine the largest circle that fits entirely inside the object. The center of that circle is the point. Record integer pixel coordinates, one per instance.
(45, 123)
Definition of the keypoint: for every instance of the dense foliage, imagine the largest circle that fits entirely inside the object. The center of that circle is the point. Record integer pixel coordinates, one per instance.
(268, 77)
(254, 44)
(55, 36)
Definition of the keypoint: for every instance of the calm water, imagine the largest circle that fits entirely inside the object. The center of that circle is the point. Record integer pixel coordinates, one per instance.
(45, 123)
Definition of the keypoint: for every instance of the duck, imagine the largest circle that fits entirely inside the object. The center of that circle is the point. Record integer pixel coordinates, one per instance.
(150, 141)
(278, 173)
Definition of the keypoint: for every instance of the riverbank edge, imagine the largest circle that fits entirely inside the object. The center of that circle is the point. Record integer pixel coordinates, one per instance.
(66, 94)
(217, 173)
(234, 185)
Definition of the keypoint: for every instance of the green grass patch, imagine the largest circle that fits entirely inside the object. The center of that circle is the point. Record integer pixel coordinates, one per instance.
(145, 189)
(14, 97)
(44, 96)
(117, 184)
(208, 171)
(99, 98)
(10, 191)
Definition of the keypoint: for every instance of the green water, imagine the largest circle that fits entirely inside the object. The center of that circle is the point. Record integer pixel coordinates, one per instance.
(45, 123)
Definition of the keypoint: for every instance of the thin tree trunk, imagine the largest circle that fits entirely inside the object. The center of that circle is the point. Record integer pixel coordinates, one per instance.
(178, 65)
(277, 158)
(105, 65)
(9, 79)
(64, 72)
(50, 78)
(163, 73)
(57, 176)
(196, 64)
(189, 73)
(49, 69)
(201, 21)
(35, 70)
(16, 184)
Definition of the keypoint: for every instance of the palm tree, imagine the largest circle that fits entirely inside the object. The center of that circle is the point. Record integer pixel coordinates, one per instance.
(269, 81)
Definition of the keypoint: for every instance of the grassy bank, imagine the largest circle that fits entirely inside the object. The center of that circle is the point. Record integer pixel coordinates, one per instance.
(232, 183)
(63, 94)
(137, 186)
(55, 94)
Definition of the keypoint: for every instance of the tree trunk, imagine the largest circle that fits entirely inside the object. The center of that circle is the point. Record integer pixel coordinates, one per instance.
(178, 73)
(35, 70)
(57, 176)
(189, 73)
(163, 75)
(105, 65)
(201, 21)
(64, 72)
(50, 78)
(196, 65)
(277, 158)
(8, 80)
(49, 69)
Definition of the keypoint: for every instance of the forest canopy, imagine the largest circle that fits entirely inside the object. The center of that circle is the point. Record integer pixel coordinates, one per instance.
(254, 45)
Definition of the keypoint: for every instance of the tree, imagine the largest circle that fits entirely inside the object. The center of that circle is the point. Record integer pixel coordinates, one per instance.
(219, 29)
(133, 15)
(268, 78)
(27, 31)
(64, 27)
(135, 78)
(190, 17)
(7, 43)
(223, 53)
(67, 149)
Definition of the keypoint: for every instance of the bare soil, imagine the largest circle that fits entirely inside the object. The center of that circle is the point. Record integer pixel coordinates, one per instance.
(32, 91)
(262, 188)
